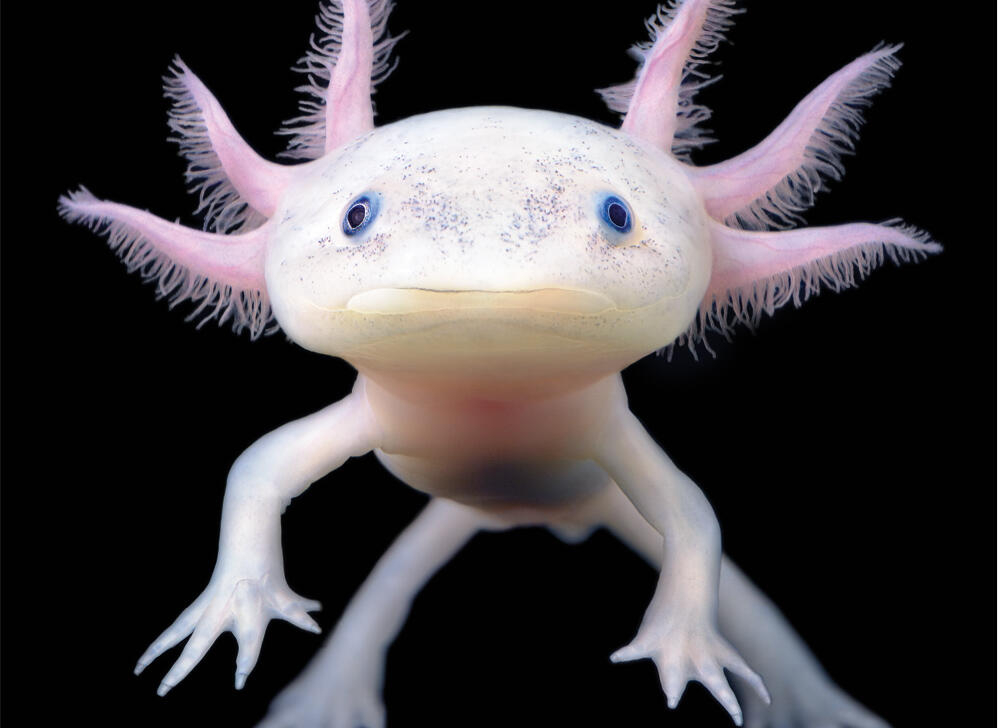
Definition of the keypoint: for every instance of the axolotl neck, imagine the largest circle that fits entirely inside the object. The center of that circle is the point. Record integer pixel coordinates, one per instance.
(489, 250)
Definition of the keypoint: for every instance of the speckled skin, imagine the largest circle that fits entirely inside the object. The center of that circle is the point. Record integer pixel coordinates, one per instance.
(491, 199)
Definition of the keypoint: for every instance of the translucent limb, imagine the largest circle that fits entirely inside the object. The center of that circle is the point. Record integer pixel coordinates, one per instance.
(679, 630)
(248, 587)
(341, 687)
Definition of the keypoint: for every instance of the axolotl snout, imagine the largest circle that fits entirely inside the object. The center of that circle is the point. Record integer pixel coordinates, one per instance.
(489, 272)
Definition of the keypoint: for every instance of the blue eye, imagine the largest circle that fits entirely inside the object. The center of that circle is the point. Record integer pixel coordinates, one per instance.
(360, 213)
(616, 214)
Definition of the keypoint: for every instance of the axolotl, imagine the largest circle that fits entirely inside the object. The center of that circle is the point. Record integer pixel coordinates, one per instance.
(489, 272)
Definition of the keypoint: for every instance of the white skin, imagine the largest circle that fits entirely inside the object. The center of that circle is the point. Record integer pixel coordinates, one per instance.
(489, 272)
(522, 424)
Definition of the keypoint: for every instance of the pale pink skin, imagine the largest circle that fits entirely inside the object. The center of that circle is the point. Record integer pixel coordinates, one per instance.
(455, 422)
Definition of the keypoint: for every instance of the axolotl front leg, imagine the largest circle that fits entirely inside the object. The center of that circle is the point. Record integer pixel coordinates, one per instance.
(247, 588)
(803, 695)
(679, 630)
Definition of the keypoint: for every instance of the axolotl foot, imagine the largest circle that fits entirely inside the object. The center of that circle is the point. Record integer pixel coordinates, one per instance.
(231, 603)
(683, 654)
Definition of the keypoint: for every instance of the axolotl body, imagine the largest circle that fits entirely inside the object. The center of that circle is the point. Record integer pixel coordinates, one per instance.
(489, 272)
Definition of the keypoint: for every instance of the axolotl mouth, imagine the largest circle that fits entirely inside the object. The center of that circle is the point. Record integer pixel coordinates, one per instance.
(391, 301)
(477, 335)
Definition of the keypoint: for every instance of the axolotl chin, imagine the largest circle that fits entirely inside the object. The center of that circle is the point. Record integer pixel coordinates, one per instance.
(489, 272)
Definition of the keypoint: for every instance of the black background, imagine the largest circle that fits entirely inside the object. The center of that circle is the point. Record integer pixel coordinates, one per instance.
(841, 445)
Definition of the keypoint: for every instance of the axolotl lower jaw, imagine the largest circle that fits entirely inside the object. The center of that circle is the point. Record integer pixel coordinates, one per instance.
(490, 242)
(520, 349)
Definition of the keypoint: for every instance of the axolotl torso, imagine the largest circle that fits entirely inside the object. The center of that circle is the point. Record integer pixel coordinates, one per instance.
(489, 272)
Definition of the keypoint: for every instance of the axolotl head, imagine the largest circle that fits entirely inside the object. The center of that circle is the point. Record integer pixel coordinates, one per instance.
(489, 240)
(501, 243)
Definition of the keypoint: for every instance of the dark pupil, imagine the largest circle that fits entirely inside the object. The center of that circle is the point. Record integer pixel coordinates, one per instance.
(356, 215)
(617, 214)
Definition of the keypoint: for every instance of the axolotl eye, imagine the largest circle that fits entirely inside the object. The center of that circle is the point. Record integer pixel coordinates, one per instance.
(615, 213)
(360, 214)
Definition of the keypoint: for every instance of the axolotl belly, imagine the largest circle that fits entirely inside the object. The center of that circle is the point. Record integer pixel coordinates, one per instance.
(521, 458)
